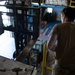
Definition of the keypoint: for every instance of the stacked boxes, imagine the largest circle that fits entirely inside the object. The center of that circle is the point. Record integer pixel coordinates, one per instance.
(57, 2)
(40, 43)
(63, 2)
(36, 52)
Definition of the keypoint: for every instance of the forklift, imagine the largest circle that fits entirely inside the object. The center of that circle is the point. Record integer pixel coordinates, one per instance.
(27, 26)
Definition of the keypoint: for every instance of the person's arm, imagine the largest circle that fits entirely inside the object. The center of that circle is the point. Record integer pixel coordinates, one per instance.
(52, 42)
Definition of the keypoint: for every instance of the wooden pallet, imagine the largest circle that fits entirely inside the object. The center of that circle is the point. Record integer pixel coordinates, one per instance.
(11, 67)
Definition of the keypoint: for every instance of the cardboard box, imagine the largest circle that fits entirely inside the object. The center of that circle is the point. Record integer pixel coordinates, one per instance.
(58, 2)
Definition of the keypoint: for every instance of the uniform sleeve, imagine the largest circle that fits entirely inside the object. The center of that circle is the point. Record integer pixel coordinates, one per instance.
(55, 29)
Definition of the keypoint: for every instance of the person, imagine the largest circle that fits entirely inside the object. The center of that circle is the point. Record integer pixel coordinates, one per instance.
(63, 40)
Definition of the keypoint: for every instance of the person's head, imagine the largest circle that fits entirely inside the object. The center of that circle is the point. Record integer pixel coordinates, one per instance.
(68, 14)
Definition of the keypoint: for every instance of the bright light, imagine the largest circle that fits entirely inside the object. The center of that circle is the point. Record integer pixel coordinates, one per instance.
(7, 43)
(2, 3)
(6, 19)
(49, 10)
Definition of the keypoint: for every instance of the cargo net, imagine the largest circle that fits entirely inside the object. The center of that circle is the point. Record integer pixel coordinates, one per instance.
(57, 2)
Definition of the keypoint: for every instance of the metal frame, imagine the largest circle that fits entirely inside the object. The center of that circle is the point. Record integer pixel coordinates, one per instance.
(72, 3)
(21, 33)
(44, 66)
